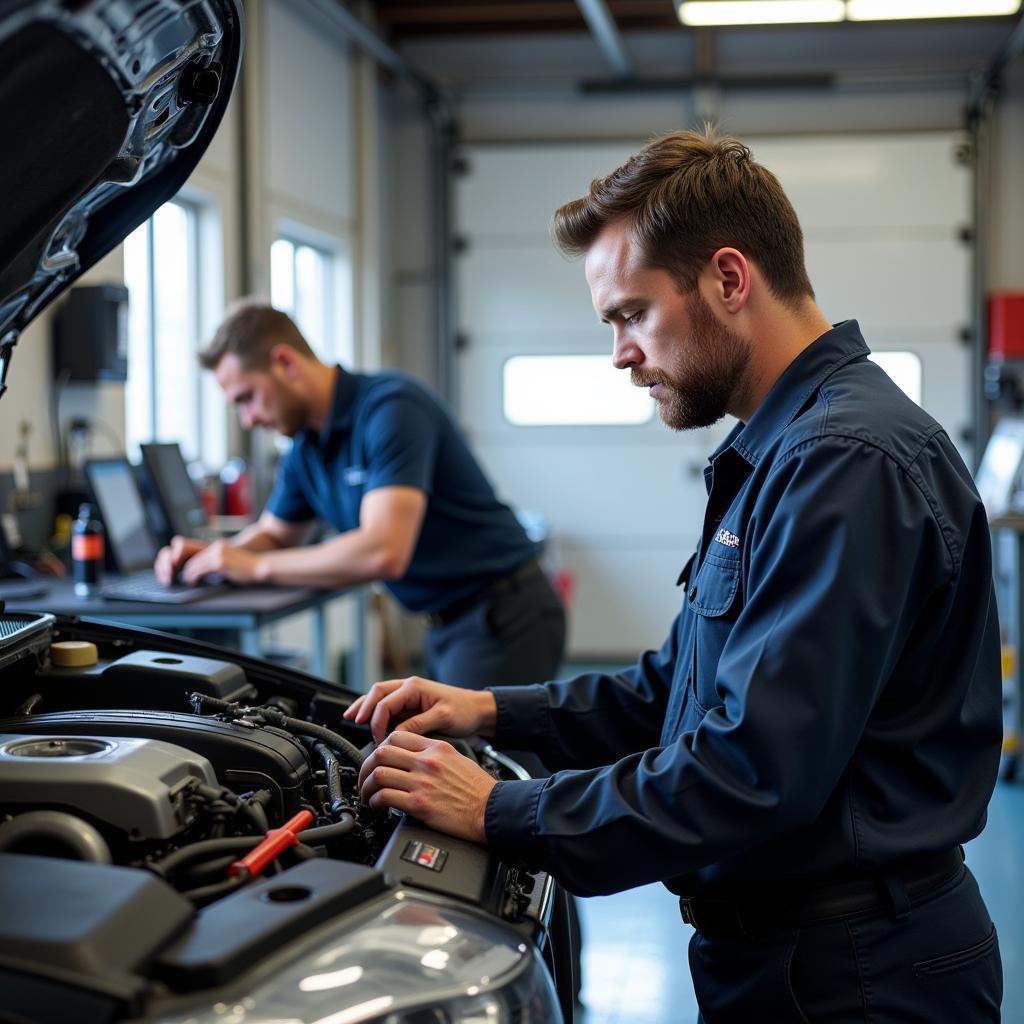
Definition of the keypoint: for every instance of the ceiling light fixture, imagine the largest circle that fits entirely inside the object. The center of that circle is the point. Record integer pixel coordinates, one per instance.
(792, 12)
(759, 12)
(895, 10)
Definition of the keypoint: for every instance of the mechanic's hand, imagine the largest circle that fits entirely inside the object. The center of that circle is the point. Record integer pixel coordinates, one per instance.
(222, 559)
(420, 706)
(170, 559)
(430, 780)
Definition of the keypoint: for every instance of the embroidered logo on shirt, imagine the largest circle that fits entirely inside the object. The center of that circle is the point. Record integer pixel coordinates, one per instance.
(730, 540)
(355, 475)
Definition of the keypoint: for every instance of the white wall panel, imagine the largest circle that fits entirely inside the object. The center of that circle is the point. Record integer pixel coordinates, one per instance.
(622, 593)
(309, 128)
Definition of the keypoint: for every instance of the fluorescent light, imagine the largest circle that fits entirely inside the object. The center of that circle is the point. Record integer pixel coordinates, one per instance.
(894, 10)
(759, 12)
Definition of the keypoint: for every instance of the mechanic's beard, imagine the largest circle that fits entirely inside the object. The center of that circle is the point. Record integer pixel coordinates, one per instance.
(707, 375)
(293, 413)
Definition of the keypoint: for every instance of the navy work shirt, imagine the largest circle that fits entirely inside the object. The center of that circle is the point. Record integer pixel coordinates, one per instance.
(828, 699)
(387, 430)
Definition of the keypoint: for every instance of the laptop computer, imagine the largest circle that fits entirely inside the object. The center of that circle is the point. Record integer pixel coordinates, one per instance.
(175, 493)
(130, 541)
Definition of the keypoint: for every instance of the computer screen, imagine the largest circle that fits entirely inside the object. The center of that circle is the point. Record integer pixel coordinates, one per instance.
(115, 491)
(174, 489)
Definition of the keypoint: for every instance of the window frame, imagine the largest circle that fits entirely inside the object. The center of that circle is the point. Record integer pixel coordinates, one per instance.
(340, 297)
(206, 300)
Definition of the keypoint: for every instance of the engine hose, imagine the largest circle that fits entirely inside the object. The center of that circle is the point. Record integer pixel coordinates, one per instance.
(198, 851)
(325, 833)
(253, 810)
(46, 828)
(208, 893)
(208, 871)
(273, 716)
(202, 700)
(30, 705)
(332, 772)
(350, 751)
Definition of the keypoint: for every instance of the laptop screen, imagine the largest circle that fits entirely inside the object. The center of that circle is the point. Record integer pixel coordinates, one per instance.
(115, 491)
(174, 488)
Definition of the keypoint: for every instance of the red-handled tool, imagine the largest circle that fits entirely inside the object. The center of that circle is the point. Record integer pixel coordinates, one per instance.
(278, 840)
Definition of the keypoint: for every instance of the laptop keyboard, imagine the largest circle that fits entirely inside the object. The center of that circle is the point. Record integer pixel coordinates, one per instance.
(147, 587)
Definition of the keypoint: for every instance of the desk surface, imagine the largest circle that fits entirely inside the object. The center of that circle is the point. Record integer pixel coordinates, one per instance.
(244, 606)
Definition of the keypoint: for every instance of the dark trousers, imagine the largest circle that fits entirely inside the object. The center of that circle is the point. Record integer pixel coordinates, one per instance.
(939, 965)
(514, 636)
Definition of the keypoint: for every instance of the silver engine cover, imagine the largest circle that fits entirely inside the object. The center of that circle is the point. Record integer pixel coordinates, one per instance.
(135, 785)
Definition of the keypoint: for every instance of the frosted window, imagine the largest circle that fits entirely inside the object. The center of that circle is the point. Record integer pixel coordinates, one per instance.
(301, 285)
(905, 370)
(163, 392)
(571, 391)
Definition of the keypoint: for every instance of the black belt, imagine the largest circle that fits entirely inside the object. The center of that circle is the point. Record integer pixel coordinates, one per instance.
(503, 585)
(888, 890)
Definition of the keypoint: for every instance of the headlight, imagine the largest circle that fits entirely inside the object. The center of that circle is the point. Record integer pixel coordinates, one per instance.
(411, 959)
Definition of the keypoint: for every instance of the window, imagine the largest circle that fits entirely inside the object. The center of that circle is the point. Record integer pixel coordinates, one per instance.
(309, 282)
(583, 390)
(166, 394)
(905, 370)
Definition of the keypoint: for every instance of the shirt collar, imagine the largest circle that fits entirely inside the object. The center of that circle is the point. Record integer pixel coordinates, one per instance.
(340, 417)
(791, 392)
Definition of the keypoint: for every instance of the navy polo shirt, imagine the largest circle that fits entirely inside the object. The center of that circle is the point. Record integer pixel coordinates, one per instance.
(387, 430)
(829, 696)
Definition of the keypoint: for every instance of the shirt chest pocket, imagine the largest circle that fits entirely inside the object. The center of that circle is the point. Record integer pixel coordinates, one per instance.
(715, 599)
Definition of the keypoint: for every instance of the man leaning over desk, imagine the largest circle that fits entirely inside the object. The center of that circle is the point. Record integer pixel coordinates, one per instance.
(380, 459)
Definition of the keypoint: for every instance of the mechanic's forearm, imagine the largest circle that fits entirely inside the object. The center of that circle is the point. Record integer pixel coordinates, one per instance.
(255, 537)
(354, 557)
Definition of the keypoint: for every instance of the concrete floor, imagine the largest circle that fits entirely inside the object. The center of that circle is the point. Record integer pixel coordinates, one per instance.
(634, 956)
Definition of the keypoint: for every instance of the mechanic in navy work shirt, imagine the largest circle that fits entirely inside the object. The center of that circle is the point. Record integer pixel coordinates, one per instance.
(821, 730)
(380, 459)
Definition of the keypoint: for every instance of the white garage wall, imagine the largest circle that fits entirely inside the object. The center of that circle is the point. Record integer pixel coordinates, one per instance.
(882, 216)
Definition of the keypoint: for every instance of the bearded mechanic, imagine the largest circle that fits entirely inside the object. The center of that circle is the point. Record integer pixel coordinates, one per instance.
(820, 731)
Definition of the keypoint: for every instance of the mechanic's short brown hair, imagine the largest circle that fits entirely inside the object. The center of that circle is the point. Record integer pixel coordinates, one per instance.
(250, 330)
(688, 194)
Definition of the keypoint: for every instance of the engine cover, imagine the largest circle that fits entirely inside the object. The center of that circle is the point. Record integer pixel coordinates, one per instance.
(243, 757)
(135, 785)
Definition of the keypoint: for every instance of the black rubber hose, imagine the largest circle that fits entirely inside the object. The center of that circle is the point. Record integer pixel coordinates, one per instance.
(273, 716)
(325, 833)
(332, 772)
(200, 850)
(201, 700)
(349, 751)
(253, 810)
(208, 893)
(30, 704)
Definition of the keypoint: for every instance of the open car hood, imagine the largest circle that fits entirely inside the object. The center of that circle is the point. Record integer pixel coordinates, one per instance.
(105, 108)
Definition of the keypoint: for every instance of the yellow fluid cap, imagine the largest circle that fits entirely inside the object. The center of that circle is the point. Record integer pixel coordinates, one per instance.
(74, 654)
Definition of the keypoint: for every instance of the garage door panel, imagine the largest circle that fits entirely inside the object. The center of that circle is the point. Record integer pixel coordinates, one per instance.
(838, 183)
(514, 190)
(902, 284)
(522, 288)
(624, 600)
(608, 493)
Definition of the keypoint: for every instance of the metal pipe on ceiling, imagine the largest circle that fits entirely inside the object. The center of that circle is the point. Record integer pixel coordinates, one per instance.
(607, 35)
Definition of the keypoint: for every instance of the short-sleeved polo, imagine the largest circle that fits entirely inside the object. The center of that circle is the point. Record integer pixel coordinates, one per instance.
(387, 430)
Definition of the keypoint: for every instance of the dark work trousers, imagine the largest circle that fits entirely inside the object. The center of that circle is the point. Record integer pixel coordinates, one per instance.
(515, 636)
(939, 965)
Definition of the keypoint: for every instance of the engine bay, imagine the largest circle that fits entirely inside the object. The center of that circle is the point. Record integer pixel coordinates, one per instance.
(153, 782)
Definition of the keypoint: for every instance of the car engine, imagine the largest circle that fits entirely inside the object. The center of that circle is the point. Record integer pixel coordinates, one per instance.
(168, 789)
